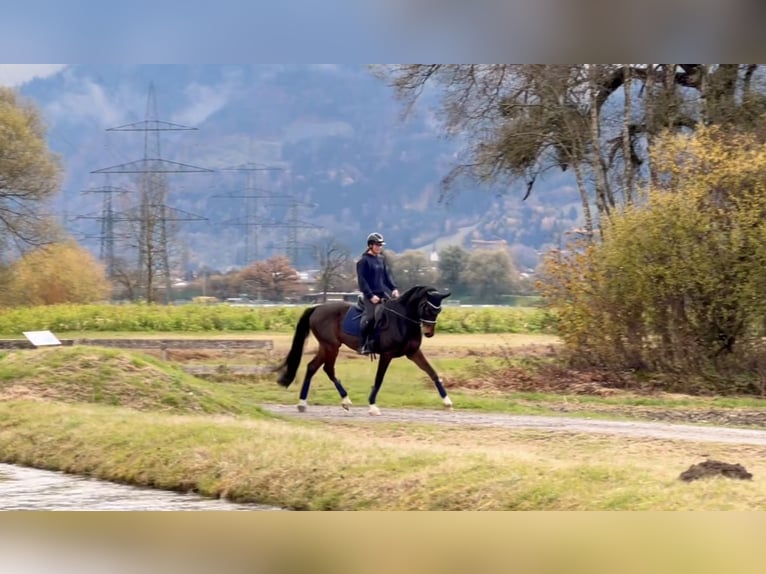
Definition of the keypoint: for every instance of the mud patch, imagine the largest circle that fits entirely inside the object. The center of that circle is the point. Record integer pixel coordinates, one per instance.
(537, 378)
(715, 468)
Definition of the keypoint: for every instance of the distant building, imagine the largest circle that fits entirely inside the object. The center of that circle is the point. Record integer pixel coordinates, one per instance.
(489, 244)
(350, 296)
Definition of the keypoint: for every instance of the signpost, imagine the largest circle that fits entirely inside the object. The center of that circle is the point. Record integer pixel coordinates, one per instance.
(42, 338)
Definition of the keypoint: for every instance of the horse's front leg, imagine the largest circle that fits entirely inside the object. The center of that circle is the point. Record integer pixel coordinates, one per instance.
(420, 360)
(383, 362)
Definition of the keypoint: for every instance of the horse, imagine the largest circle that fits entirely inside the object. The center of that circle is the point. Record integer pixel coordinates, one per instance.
(398, 332)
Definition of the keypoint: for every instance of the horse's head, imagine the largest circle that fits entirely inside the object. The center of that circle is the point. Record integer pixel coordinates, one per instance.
(429, 308)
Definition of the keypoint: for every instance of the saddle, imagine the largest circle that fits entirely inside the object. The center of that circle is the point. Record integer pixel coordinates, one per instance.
(352, 322)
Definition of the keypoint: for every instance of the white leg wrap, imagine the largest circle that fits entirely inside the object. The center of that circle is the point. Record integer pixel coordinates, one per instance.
(345, 403)
(374, 411)
(447, 403)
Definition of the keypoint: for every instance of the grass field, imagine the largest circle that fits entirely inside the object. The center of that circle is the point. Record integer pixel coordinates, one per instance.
(129, 417)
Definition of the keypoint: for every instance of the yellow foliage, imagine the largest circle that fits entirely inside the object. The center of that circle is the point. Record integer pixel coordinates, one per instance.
(677, 283)
(29, 172)
(57, 273)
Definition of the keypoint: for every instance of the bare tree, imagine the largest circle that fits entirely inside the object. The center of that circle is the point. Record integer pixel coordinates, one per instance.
(521, 120)
(628, 154)
(150, 232)
(127, 278)
(333, 259)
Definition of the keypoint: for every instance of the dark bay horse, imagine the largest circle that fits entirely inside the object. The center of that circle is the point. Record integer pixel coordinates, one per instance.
(401, 324)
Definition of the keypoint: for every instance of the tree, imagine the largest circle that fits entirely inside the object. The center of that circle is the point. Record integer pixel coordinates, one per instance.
(223, 285)
(273, 279)
(29, 173)
(413, 268)
(518, 121)
(676, 286)
(151, 229)
(333, 259)
(453, 261)
(521, 120)
(490, 273)
(56, 273)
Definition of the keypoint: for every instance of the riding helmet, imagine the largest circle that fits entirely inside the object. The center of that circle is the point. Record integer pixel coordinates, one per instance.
(375, 239)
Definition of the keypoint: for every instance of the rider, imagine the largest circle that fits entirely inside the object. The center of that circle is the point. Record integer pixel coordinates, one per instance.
(374, 281)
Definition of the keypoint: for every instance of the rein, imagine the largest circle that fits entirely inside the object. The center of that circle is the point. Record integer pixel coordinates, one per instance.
(426, 321)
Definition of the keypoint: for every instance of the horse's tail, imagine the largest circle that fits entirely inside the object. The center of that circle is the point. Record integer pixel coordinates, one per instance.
(289, 366)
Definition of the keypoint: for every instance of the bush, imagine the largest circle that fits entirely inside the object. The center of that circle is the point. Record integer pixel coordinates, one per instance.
(676, 285)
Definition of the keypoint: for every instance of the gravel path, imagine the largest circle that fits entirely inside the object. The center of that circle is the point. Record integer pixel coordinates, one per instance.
(466, 418)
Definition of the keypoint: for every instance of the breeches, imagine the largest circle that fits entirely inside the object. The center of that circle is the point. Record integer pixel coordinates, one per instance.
(368, 315)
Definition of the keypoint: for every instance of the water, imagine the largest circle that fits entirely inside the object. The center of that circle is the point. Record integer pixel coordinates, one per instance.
(32, 489)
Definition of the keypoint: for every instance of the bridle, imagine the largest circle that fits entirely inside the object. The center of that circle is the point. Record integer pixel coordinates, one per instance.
(438, 309)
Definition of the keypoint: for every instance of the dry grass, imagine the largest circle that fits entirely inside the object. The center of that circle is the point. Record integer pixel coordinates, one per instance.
(442, 344)
(387, 467)
(318, 465)
(106, 376)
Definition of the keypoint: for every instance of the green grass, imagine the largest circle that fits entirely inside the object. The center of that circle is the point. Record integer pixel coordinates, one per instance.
(127, 417)
(322, 466)
(137, 318)
(406, 386)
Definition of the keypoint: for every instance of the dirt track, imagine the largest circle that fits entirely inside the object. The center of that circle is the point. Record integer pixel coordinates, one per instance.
(573, 425)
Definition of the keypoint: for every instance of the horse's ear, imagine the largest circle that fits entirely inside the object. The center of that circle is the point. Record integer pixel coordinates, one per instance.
(440, 296)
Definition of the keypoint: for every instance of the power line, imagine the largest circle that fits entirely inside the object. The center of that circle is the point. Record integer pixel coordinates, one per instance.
(152, 214)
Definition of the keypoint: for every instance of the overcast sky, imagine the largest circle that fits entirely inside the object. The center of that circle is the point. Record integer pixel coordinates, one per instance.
(16, 74)
(288, 31)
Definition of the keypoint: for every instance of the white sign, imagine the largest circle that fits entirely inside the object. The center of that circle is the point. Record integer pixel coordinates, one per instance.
(41, 338)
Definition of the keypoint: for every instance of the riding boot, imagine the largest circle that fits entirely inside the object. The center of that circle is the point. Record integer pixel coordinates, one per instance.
(365, 346)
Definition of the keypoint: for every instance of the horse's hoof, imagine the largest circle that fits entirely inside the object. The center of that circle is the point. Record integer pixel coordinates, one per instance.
(346, 403)
(447, 403)
(374, 411)
(302, 406)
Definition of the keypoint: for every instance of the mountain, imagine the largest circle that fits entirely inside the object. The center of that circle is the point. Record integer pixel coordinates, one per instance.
(334, 157)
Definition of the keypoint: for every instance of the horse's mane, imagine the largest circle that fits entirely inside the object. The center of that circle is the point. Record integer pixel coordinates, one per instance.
(415, 292)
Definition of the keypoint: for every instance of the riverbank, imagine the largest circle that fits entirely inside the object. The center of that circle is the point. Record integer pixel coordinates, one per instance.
(25, 488)
(127, 418)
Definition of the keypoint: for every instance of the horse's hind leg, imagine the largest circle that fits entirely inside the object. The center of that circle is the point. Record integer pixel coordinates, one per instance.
(329, 368)
(420, 360)
(311, 370)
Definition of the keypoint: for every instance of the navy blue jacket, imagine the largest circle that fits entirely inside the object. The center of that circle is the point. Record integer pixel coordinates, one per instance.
(373, 276)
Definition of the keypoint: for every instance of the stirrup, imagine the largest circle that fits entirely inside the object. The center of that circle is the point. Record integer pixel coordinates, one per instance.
(365, 348)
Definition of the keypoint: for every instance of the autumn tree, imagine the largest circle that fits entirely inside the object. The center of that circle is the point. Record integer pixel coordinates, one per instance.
(272, 279)
(56, 273)
(676, 286)
(29, 173)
